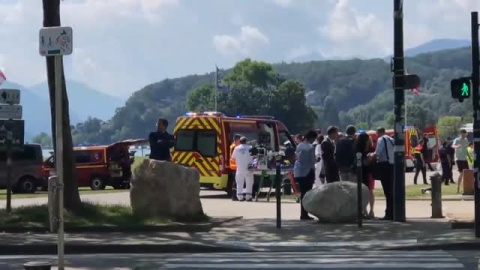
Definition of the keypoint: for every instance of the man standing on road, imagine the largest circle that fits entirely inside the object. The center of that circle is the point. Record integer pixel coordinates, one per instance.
(233, 166)
(161, 142)
(304, 170)
(385, 168)
(345, 155)
(460, 145)
(243, 158)
(328, 155)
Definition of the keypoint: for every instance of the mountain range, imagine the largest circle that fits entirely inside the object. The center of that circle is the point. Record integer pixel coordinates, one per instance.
(88, 102)
(84, 102)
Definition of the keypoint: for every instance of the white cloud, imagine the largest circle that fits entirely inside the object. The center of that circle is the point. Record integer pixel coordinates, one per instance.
(284, 3)
(354, 34)
(246, 43)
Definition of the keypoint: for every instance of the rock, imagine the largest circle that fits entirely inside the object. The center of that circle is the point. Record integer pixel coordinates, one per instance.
(165, 189)
(335, 202)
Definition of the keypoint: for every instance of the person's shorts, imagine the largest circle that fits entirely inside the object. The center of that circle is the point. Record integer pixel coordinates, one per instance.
(462, 165)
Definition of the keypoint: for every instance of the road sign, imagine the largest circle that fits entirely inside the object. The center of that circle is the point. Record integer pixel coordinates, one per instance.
(56, 41)
(17, 129)
(10, 96)
(10, 111)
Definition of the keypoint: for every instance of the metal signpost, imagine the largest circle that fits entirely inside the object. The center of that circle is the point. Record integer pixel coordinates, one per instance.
(11, 131)
(56, 42)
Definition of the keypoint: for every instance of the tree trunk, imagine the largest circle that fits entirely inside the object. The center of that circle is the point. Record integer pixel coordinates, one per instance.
(51, 17)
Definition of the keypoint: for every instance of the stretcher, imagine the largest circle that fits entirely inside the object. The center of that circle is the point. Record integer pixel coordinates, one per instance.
(270, 175)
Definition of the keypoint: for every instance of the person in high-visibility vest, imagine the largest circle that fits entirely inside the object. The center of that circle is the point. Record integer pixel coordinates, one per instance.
(470, 155)
(233, 165)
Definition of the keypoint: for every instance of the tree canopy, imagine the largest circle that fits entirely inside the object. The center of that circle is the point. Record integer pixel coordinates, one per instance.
(339, 92)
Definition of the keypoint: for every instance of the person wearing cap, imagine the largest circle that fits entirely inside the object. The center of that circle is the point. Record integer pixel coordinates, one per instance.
(243, 176)
(233, 165)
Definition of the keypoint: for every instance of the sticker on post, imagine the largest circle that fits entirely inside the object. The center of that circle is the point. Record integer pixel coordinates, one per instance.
(56, 41)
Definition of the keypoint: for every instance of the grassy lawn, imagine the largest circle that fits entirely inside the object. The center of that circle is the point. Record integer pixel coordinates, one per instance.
(90, 215)
(83, 190)
(415, 192)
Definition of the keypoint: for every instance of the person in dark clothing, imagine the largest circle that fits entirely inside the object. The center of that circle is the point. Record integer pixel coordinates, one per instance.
(345, 156)
(161, 142)
(385, 168)
(451, 153)
(447, 170)
(426, 153)
(420, 165)
(364, 145)
(328, 155)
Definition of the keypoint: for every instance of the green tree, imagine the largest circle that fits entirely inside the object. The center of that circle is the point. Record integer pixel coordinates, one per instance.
(43, 139)
(202, 99)
(330, 113)
(419, 116)
(289, 106)
(448, 126)
(259, 74)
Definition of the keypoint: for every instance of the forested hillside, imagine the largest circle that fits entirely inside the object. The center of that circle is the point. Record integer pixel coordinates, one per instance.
(339, 92)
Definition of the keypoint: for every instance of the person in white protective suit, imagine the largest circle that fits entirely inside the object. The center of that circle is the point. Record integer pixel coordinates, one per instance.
(243, 158)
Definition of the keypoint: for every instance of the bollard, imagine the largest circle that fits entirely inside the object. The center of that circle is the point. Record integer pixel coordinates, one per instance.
(53, 203)
(37, 266)
(436, 181)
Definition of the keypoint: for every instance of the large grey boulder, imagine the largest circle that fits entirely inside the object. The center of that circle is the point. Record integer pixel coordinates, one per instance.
(165, 189)
(335, 202)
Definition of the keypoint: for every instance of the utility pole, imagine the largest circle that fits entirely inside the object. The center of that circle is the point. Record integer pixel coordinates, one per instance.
(476, 119)
(399, 86)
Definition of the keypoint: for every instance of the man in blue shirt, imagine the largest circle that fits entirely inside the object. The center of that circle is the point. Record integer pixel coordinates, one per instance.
(161, 142)
(304, 170)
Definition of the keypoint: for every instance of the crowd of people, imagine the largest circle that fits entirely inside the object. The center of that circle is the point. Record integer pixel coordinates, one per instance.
(332, 158)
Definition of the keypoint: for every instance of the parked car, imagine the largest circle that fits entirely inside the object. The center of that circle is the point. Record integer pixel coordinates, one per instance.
(26, 168)
(101, 166)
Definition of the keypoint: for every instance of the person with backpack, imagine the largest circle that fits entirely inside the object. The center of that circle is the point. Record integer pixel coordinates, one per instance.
(345, 155)
(385, 168)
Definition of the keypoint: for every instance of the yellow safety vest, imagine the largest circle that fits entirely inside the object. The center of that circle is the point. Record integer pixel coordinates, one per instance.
(233, 164)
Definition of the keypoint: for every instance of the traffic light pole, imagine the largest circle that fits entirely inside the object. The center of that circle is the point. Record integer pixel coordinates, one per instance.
(476, 118)
(399, 85)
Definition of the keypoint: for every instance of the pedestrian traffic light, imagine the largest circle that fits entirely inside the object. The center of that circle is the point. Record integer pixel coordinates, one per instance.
(412, 81)
(461, 88)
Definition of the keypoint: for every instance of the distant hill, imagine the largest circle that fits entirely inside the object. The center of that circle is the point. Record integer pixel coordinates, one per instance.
(437, 45)
(84, 100)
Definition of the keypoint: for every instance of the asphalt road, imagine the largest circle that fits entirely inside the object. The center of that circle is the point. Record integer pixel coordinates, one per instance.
(341, 259)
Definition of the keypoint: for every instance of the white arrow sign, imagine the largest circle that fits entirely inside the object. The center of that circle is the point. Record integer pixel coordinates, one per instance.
(10, 96)
(10, 112)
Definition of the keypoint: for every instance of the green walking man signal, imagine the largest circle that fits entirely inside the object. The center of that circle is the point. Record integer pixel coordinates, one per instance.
(465, 90)
(461, 88)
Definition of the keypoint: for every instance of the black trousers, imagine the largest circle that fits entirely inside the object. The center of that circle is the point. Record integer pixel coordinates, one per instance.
(305, 184)
(419, 167)
(385, 174)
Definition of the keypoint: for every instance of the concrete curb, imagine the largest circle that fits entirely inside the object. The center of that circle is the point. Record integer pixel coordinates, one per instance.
(119, 249)
(438, 246)
(172, 227)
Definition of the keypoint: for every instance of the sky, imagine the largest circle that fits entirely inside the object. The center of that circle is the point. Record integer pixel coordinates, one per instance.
(119, 46)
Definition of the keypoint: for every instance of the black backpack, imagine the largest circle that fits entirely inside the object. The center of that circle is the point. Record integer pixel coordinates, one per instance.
(345, 152)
